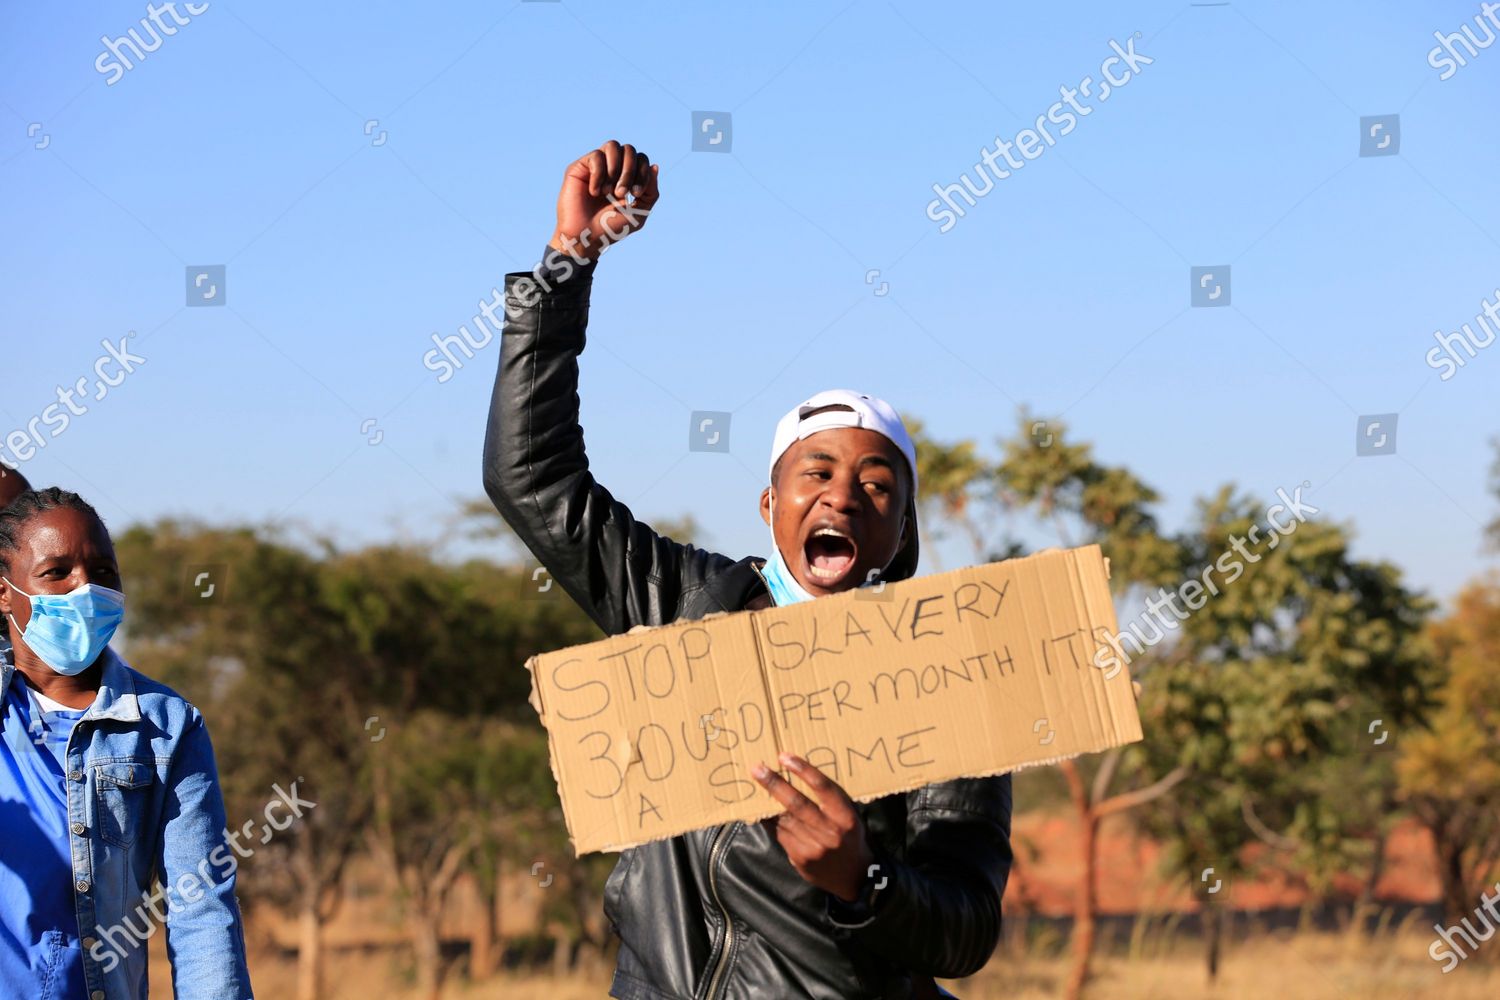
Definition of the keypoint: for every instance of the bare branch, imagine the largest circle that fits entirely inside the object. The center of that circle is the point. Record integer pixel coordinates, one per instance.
(1139, 797)
(1069, 769)
(1277, 840)
(1106, 773)
(452, 864)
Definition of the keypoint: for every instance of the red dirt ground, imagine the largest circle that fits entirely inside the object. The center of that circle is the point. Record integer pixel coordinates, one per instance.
(1048, 865)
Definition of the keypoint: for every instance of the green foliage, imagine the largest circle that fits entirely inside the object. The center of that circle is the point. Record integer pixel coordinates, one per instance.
(1492, 532)
(1084, 501)
(314, 666)
(954, 485)
(453, 790)
(1449, 773)
(1258, 694)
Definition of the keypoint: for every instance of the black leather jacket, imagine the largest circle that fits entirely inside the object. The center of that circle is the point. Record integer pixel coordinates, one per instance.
(720, 913)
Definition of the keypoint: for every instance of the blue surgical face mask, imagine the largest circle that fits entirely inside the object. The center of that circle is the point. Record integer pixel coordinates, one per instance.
(779, 580)
(784, 587)
(69, 631)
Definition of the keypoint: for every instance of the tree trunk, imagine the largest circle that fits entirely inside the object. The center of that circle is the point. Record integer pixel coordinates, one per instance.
(1091, 809)
(1212, 934)
(1450, 858)
(1377, 867)
(1085, 901)
(427, 948)
(483, 955)
(1085, 911)
(309, 949)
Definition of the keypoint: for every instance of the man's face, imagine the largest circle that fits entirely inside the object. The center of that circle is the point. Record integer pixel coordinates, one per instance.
(841, 496)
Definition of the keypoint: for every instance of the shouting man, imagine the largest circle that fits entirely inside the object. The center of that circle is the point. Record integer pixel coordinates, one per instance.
(831, 898)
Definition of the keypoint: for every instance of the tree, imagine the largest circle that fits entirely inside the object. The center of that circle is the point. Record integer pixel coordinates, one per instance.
(1264, 680)
(303, 662)
(518, 824)
(1079, 501)
(445, 787)
(956, 487)
(1449, 773)
(1083, 502)
(1242, 701)
(440, 650)
(237, 620)
(389, 684)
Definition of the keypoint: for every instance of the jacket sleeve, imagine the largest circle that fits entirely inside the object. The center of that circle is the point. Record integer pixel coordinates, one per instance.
(939, 913)
(536, 472)
(205, 933)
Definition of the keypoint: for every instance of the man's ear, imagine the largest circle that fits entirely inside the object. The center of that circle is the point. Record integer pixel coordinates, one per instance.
(765, 505)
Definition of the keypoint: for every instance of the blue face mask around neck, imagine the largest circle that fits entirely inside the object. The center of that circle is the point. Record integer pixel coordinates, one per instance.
(784, 587)
(69, 631)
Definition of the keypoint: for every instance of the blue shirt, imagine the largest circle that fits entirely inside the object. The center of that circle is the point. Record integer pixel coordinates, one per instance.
(141, 803)
(40, 952)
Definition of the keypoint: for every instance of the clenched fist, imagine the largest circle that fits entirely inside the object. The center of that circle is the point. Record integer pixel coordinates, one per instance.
(606, 195)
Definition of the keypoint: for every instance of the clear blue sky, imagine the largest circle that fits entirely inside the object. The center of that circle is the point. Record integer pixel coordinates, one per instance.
(241, 141)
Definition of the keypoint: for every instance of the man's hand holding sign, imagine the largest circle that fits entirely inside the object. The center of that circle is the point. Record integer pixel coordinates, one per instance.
(891, 712)
(823, 840)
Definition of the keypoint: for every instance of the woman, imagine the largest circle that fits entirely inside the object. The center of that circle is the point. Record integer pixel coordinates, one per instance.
(107, 784)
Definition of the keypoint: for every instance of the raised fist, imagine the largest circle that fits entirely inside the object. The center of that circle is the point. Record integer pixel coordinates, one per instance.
(606, 195)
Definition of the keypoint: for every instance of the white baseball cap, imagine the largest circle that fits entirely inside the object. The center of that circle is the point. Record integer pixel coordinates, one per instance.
(869, 412)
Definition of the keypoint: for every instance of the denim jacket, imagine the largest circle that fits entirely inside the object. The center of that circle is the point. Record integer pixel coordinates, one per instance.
(144, 803)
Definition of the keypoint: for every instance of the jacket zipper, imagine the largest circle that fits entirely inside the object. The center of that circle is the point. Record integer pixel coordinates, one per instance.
(722, 965)
(761, 573)
(714, 852)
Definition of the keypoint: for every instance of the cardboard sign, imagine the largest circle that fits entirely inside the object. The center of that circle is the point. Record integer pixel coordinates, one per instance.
(962, 674)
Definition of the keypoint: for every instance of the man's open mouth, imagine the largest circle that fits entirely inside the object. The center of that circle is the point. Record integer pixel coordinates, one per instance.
(829, 554)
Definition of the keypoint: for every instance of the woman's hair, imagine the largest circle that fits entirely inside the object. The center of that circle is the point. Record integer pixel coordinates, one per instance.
(22, 509)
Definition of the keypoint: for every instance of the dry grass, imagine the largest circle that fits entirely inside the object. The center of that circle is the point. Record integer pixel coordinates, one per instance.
(1310, 966)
